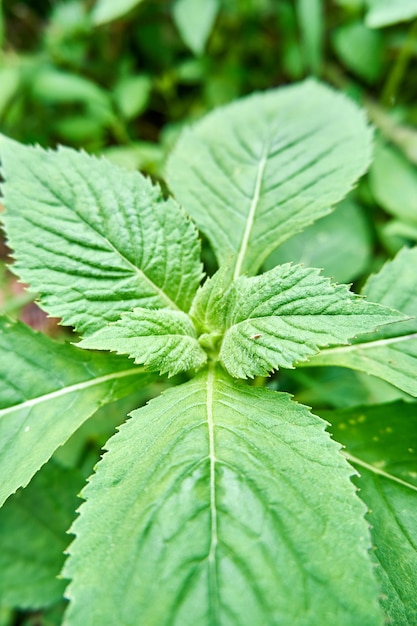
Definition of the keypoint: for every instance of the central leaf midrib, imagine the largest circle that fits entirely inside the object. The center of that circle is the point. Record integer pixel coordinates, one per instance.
(252, 212)
(212, 556)
(376, 470)
(46, 397)
(378, 343)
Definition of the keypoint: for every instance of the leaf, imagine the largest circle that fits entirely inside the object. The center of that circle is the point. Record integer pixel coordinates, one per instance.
(393, 181)
(340, 243)
(390, 354)
(287, 314)
(311, 22)
(94, 240)
(54, 86)
(10, 77)
(207, 509)
(386, 12)
(194, 20)
(33, 526)
(163, 340)
(382, 442)
(131, 95)
(256, 172)
(360, 49)
(105, 11)
(209, 308)
(47, 390)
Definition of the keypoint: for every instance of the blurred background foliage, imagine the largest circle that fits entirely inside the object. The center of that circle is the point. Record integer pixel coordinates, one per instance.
(121, 78)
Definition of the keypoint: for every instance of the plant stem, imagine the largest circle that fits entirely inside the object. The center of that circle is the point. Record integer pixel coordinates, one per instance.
(396, 76)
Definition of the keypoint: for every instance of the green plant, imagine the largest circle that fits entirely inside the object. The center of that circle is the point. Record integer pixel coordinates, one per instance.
(221, 501)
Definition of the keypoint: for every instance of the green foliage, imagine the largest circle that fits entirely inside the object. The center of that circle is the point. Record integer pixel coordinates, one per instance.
(393, 180)
(47, 391)
(221, 501)
(310, 17)
(145, 253)
(194, 20)
(361, 49)
(267, 168)
(107, 10)
(340, 243)
(33, 526)
(163, 340)
(381, 441)
(392, 352)
(212, 525)
(385, 12)
(286, 314)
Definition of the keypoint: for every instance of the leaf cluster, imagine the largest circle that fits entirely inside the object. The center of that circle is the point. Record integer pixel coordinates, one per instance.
(221, 501)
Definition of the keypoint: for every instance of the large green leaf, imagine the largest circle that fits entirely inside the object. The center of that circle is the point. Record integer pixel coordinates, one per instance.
(287, 314)
(33, 526)
(382, 442)
(256, 172)
(391, 353)
(47, 390)
(220, 504)
(93, 239)
(387, 12)
(163, 340)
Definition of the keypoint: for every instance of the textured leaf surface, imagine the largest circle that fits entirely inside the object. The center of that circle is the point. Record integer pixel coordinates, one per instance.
(107, 10)
(208, 508)
(209, 308)
(339, 243)
(194, 20)
(386, 12)
(383, 443)
(287, 314)
(94, 240)
(33, 526)
(256, 172)
(163, 340)
(47, 390)
(391, 353)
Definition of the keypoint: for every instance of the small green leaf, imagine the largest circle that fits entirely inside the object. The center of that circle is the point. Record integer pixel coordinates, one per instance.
(209, 308)
(10, 78)
(208, 508)
(256, 172)
(47, 390)
(103, 240)
(360, 49)
(58, 87)
(382, 442)
(131, 95)
(194, 20)
(105, 11)
(387, 12)
(163, 340)
(287, 314)
(33, 527)
(390, 354)
(393, 181)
